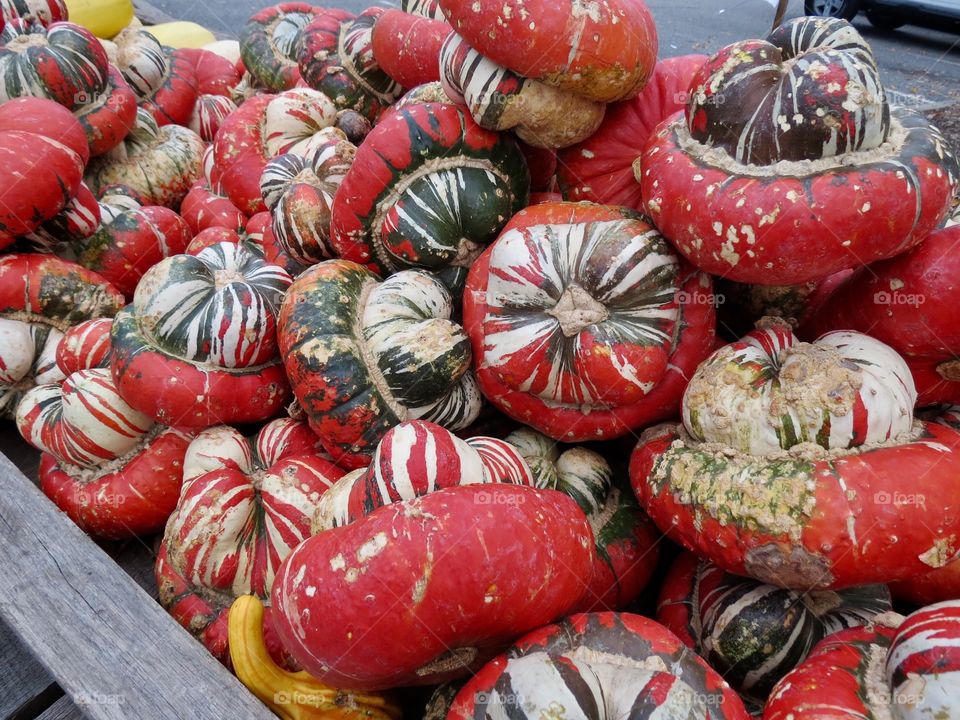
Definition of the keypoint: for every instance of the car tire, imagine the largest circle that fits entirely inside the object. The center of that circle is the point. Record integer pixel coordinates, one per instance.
(885, 20)
(844, 9)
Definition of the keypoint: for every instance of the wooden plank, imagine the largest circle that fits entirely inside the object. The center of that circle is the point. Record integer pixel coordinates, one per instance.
(97, 633)
(62, 709)
(23, 681)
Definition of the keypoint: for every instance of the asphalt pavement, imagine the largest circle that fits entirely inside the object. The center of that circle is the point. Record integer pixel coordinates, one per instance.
(921, 67)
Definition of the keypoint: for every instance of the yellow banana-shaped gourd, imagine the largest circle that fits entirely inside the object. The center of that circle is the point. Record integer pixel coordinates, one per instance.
(104, 18)
(291, 695)
(181, 34)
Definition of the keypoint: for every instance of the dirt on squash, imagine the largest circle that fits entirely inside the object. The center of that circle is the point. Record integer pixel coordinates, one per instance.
(948, 120)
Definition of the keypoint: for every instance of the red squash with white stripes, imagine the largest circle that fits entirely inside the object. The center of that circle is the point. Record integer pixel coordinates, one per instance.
(41, 298)
(601, 168)
(909, 303)
(270, 40)
(130, 241)
(416, 458)
(164, 80)
(584, 322)
(746, 192)
(336, 57)
(216, 79)
(801, 465)
(198, 346)
(406, 46)
(263, 127)
(157, 165)
(598, 665)
(904, 668)
(43, 151)
(63, 62)
(108, 466)
(245, 505)
(78, 220)
(472, 566)
(46, 11)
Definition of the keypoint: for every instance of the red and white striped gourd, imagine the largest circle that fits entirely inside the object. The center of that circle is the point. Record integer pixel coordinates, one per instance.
(413, 459)
(754, 194)
(41, 298)
(216, 79)
(473, 566)
(605, 666)
(164, 81)
(903, 668)
(157, 164)
(424, 8)
(198, 346)
(336, 57)
(43, 151)
(245, 505)
(46, 11)
(63, 62)
(600, 169)
(585, 323)
(294, 121)
(271, 39)
(428, 189)
(751, 632)
(131, 240)
(819, 478)
(298, 188)
(363, 355)
(626, 540)
(109, 467)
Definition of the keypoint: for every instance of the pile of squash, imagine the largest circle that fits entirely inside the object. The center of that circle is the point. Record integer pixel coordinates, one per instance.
(469, 347)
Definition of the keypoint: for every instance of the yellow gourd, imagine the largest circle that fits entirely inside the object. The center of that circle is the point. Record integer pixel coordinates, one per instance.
(181, 34)
(104, 18)
(291, 695)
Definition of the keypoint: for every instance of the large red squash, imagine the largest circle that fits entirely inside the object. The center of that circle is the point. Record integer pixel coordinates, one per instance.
(598, 665)
(801, 465)
(604, 51)
(198, 347)
(897, 668)
(206, 206)
(584, 322)
(109, 116)
(601, 168)
(472, 567)
(41, 298)
(406, 46)
(908, 302)
(43, 150)
(245, 505)
(45, 11)
(759, 195)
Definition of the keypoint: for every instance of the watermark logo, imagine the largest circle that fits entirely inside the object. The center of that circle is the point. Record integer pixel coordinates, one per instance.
(492, 498)
(487, 699)
(701, 298)
(92, 699)
(902, 299)
(899, 498)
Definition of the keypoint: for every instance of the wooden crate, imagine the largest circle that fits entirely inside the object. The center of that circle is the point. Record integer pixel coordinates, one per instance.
(81, 633)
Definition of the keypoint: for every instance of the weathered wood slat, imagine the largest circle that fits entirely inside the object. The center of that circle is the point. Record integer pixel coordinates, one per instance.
(62, 709)
(22, 678)
(97, 633)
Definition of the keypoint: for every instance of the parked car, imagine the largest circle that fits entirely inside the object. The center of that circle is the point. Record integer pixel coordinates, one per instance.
(891, 14)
